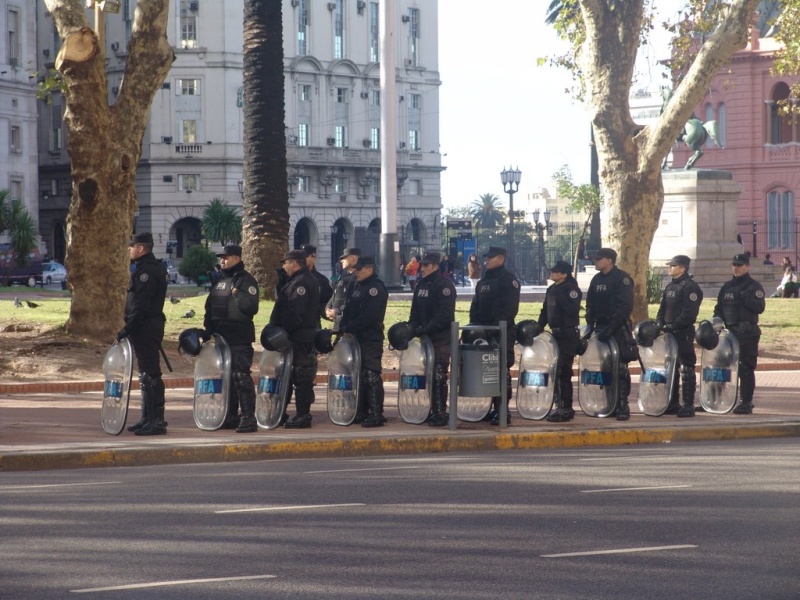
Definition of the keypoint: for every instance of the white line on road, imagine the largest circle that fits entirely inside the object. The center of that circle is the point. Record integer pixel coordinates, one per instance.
(54, 485)
(357, 470)
(136, 586)
(635, 489)
(620, 551)
(270, 508)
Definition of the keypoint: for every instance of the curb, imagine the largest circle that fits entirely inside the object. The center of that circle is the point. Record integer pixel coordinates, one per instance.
(360, 446)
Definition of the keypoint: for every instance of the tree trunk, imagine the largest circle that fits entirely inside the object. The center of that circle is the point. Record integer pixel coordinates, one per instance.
(265, 224)
(104, 145)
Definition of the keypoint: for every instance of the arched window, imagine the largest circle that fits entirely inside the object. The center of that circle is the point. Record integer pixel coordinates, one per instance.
(709, 117)
(780, 127)
(780, 219)
(722, 124)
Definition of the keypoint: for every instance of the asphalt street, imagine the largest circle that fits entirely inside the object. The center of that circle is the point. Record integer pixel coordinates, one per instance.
(700, 520)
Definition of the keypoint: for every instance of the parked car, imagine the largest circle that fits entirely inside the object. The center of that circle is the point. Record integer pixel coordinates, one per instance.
(53, 272)
(172, 270)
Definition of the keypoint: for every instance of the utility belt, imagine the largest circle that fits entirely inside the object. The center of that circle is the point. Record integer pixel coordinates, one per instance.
(563, 330)
(742, 327)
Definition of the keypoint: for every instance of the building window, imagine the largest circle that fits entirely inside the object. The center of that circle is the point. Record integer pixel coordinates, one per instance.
(338, 30)
(375, 97)
(56, 141)
(340, 136)
(303, 183)
(780, 220)
(376, 186)
(340, 185)
(413, 139)
(709, 117)
(341, 95)
(188, 24)
(189, 131)
(414, 187)
(13, 37)
(302, 27)
(15, 139)
(189, 183)
(305, 92)
(780, 124)
(722, 124)
(374, 32)
(413, 36)
(188, 87)
(375, 138)
(302, 134)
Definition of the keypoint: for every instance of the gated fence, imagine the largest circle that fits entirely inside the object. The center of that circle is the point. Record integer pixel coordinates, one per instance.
(777, 238)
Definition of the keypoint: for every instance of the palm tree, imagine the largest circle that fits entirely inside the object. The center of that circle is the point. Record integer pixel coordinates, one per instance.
(265, 231)
(222, 223)
(20, 226)
(487, 213)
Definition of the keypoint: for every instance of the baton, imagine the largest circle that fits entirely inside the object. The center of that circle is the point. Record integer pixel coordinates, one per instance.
(164, 355)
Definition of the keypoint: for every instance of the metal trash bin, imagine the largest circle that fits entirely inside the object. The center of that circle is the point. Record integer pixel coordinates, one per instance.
(480, 370)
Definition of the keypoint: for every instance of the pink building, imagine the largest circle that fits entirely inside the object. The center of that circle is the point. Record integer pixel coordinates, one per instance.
(761, 149)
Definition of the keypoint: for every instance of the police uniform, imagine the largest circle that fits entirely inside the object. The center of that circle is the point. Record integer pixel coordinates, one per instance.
(340, 290)
(363, 314)
(680, 303)
(144, 326)
(433, 309)
(497, 299)
(229, 311)
(297, 311)
(325, 289)
(609, 304)
(561, 309)
(739, 303)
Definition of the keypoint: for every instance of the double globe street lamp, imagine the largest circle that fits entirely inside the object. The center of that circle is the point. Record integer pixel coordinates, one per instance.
(510, 179)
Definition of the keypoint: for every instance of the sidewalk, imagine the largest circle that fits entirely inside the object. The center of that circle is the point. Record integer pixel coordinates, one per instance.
(61, 429)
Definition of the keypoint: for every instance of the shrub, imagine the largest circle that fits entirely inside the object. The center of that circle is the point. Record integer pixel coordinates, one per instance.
(197, 262)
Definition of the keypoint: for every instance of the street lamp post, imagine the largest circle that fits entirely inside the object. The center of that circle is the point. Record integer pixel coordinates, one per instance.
(540, 229)
(510, 180)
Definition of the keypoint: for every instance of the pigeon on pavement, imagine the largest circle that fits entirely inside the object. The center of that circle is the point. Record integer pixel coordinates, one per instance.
(31, 304)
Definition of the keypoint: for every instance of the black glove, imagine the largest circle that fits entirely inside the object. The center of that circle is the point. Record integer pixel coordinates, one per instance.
(419, 330)
(122, 334)
(667, 327)
(588, 333)
(205, 335)
(660, 323)
(604, 335)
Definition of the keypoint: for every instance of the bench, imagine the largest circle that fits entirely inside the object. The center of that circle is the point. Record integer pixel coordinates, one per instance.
(204, 281)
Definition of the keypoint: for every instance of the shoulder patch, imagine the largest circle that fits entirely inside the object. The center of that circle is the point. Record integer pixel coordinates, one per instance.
(373, 291)
(626, 280)
(573, 294)
(759, 294)
(693, 297)
(515, 283)
(144, 277)
(301, 291)
(446, 291)
(252, 290)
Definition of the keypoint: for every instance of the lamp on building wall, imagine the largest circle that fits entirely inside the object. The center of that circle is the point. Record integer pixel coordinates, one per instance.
(510, 179)
(241, 188)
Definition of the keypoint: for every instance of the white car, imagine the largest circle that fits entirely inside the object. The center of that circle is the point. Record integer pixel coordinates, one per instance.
(172, 270)
(53, 272)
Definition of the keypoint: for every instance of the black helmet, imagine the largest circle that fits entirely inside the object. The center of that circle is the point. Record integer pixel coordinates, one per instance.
(706, 336)
(583, 344)
(645, 333)
(527, 331)
(399, 335)
(323, 341)
(190, 341)
(474, 336)
(275, 338)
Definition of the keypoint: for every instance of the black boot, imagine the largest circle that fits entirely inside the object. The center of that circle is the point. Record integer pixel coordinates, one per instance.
(138, 425)
(247, 401)
(374, 391)
(361, 400)
(153, 394)
(623, 412)
(674, 405)
(688, 387)
(439, 416)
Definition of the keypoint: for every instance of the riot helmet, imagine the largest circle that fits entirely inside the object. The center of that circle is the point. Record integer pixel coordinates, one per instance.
(645, 333)
(399, 335)
(706, 335)
(190, 341)
(323, 341)
(275, 338)
(526, 332)
(474, 336)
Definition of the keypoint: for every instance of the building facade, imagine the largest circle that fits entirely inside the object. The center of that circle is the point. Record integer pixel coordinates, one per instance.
(192, 149)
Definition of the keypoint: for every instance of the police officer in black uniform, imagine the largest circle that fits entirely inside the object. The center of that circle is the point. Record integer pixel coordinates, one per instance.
(739, 303)
(609, 304)
(230, 308)
(497, 299)
(680, 303)
(433, 309)
(364, 311)
(297, 311)
(562, 305)
(333, 310)
(144, 326)
(325, 288)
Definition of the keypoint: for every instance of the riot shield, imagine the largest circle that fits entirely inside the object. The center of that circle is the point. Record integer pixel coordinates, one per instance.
(344, 369)
(659, 362)
(274, 387)
(212, 382)
(117, 373)
(719, 380)
(415, 387)
(536, 388)
(479, 380)
(598, 378)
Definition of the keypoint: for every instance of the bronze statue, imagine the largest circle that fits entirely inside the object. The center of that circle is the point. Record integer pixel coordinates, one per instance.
(694, 134)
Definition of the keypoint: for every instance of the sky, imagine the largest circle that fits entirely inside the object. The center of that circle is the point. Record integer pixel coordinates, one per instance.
(499, 109)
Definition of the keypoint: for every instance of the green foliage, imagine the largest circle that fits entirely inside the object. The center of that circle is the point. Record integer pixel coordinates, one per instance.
(487, 213)
(654, 285)
(221, 222)
(197, 262)
(49, 84)
(585, 198)
(20, 226)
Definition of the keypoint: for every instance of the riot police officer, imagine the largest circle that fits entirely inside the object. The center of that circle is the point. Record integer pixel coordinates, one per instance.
(334, 307)
(325, 289)
(680, 303)
(609, 304)
(144, 326)
(433, 310)
(229, 311)
(739, 303)
(497, 299)
(297, 311)
(363, 314)
(562, 305)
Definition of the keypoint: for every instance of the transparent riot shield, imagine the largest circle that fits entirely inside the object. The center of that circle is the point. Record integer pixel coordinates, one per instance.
(212, 382)
(344, 368)
(117, 373)
(659, 362)
(598, 378)
(536, 388)
(274, 387)
(479, 380)
(415, 387)
(719, 375)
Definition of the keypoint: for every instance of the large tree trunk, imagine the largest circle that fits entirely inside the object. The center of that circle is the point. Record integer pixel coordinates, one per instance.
(104, 146)
(265, 225)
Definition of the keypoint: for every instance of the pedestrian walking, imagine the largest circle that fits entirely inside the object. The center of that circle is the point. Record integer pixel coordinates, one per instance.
(474, 270)
(412, 270)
